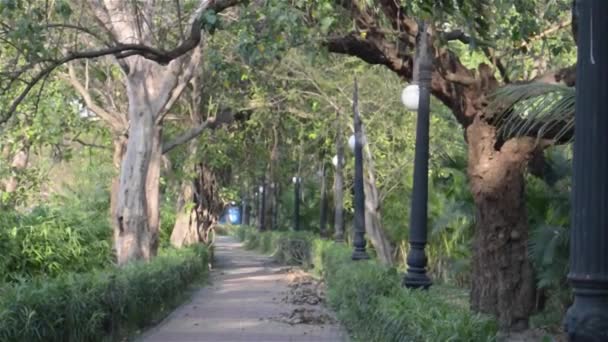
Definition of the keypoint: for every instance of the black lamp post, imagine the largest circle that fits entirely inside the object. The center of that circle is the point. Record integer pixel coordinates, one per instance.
(417, 97)
(262, 191)
(356, 143)
(296, 205)
(587, 318)
(254, 214)
(338, 162)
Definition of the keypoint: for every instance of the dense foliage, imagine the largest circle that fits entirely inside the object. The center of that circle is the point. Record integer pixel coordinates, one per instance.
(98, 305)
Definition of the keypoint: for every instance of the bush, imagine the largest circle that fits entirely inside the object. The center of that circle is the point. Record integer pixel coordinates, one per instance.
(370, 302)
(51, 241)
(96, 305)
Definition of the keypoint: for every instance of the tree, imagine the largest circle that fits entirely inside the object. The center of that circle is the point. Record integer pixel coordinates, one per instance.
(154, 79)
(384, 34)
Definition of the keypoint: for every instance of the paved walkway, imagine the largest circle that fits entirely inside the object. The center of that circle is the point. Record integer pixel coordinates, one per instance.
(241, 304)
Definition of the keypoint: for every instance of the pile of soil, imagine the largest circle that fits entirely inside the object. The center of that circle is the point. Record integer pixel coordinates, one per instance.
(308, 294)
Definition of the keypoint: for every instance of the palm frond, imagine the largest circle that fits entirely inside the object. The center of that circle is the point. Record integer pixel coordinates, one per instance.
(543, 110)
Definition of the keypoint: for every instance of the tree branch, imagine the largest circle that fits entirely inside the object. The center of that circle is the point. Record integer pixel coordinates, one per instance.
(115, 120)
(121, 51)
(187, 136)
(83, 143)
(222, 118)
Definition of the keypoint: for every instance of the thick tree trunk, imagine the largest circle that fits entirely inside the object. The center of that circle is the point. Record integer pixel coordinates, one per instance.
(207, 199)
(503, 280)
(131, 216)
(185, 230)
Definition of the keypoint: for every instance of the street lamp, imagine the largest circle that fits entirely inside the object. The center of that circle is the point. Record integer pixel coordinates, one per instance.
(256, 212)
(262, 207)
(338, 163)
(296, 208)
(356, 142)
(587, 318)
(417, 97)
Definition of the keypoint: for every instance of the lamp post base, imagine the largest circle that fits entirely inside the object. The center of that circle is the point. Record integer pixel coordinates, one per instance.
(360, 255)
(587, 319)
(414, 280)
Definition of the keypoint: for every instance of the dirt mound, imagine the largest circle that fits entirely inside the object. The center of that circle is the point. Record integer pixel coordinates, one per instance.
(308, 294)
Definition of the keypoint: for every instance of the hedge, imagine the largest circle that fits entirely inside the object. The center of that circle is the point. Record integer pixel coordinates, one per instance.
(99, 305)
(371, 303)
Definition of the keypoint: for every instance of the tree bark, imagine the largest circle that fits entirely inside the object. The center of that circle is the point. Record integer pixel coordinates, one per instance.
(503, 280)
(18, 164)
(185, 231)
(120, 147)
(323, 202)
(134, 241)
(208, 204)
(373, 222)
(152, 191)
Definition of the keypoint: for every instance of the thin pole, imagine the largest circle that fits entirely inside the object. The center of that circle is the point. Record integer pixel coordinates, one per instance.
(416, 276)
(339, 188)
(296, 211)
(359, 252)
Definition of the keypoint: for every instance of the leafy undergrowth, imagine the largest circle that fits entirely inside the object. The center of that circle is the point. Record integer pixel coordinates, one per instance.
(369, 299)
(99, 305)
(51, 241)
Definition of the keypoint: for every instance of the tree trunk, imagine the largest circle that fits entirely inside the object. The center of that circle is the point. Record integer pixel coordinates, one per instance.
(503, 280)
(373, 222)
(198, 208)
(120, 147)
(185, 231)
(269, 197)
(323, 203)
(152, 191)
(18, 164)
(131, 216)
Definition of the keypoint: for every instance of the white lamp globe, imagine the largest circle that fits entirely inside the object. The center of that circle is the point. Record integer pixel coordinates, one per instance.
(261, 189)
(411, 97)
(334, 160)
(294, 180)
(351, 142)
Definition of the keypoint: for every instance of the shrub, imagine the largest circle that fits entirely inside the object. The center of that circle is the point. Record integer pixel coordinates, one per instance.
(370, 302)
(96, 305)
(48, 242)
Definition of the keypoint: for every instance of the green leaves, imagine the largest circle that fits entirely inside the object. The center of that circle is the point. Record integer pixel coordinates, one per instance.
(540, 108)
(62, 7)
(210, 21)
